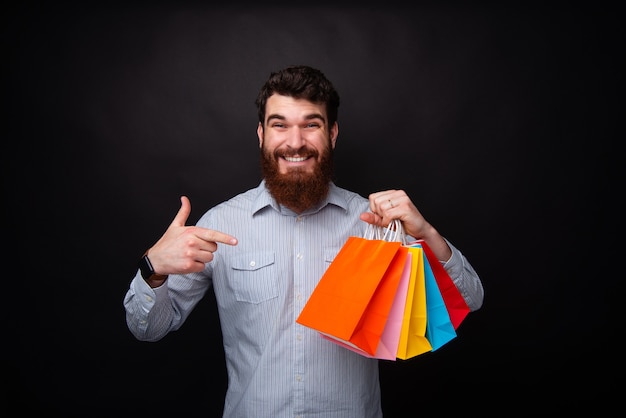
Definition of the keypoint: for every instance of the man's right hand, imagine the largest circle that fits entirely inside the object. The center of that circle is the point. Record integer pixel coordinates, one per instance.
(185, 249)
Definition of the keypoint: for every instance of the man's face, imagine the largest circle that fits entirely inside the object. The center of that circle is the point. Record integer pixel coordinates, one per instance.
(296, 151)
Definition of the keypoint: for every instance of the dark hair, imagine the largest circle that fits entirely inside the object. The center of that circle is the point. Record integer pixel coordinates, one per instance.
(300, 82)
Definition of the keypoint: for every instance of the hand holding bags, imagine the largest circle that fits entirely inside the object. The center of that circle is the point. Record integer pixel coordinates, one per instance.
(383, 298)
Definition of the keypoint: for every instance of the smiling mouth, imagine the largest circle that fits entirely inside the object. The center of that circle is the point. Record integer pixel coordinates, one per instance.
(295, 159)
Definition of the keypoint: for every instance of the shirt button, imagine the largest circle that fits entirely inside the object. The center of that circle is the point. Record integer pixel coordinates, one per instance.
(252, 263)
(298, 378)
(149, 298)
(299, 256)
(299, 337)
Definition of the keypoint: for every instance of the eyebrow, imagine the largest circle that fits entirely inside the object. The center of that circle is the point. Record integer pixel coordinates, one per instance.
(307, 117)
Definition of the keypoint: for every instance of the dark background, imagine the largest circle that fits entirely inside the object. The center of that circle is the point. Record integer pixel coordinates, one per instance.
(500, 122)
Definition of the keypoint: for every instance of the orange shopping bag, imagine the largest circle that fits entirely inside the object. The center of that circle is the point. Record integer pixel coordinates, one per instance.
(352, 300)
(388, 343)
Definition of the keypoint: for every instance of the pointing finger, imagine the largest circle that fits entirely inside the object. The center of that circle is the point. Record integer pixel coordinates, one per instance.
(217, 236)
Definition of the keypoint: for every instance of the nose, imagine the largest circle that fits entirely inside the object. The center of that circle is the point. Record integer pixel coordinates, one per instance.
(295, 138)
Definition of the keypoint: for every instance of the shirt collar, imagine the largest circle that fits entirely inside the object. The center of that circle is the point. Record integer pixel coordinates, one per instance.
(265, 199)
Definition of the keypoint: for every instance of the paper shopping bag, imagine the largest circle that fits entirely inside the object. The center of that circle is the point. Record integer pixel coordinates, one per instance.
(388, 344)
(390, 339)
(353, 298)
(439, 328)
(413, 341)
(455, 303)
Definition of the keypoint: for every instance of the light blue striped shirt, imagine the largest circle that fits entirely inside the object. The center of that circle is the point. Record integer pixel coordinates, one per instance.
(276, 367)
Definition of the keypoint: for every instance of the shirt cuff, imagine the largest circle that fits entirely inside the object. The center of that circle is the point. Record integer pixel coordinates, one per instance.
(454, 265)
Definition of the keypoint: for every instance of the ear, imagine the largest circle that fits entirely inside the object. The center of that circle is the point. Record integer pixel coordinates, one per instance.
(334, 133)
(259, 133)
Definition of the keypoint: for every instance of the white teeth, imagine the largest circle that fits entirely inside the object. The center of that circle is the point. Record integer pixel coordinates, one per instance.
(295, 159)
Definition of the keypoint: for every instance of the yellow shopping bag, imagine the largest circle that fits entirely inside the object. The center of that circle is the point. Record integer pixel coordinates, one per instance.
(413, 341)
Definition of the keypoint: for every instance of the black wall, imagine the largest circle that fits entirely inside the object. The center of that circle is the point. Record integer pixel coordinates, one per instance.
(500, 123)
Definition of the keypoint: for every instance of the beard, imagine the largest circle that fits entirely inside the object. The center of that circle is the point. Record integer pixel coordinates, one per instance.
(298, 189)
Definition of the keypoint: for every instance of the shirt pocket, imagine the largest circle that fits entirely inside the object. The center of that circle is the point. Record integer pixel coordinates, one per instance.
(255, 278)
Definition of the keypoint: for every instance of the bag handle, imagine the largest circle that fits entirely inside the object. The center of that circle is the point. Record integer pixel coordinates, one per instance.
(393, 232)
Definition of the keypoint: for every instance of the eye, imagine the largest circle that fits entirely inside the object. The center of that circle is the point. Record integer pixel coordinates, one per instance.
(313, 125)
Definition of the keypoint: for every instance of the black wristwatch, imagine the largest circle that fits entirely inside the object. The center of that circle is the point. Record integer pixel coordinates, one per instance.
(147, 271)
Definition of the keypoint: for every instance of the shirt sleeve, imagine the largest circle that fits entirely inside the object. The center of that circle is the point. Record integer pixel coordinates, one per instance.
(153, 313)
(465, 278)
(147, 314)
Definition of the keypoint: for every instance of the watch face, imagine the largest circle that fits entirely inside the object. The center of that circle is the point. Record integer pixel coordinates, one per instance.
(145, 267)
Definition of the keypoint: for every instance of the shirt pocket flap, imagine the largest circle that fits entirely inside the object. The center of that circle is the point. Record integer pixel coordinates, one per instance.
(330, 253)
(252, 261)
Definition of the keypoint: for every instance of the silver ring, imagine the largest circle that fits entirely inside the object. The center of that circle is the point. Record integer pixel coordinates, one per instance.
(391, 203)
